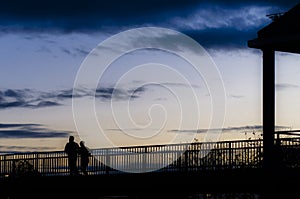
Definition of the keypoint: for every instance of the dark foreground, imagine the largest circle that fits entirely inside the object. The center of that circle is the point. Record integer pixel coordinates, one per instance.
(252, 183)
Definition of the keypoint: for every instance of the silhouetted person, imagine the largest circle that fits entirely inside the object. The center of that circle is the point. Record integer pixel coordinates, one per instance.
(85, 154)
(72, 149)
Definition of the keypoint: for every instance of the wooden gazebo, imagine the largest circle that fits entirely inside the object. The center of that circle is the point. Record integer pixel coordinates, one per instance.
(282, 34)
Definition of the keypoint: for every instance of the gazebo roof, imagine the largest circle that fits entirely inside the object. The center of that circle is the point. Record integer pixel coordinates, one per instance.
(283, 34)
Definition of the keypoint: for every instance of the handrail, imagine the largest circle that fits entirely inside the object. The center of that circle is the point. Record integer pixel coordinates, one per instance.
(289, 132)
(139, 146)
(198, 156)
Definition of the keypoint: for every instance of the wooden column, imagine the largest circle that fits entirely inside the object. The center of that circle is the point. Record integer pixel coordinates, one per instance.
(268, 107)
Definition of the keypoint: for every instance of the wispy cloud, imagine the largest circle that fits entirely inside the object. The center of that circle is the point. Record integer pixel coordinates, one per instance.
(16, 131)
(285, 86)
(215, 17)
(29, 98)
(76, 51)
(241, 129)
(237, 96)
(179, 85)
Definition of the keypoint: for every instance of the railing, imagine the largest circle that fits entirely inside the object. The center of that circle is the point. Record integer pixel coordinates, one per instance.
(154, 158)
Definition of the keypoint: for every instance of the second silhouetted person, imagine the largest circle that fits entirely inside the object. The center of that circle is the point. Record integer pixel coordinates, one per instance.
(84, 157)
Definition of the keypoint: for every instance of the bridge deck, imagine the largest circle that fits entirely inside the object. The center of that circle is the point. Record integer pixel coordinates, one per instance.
(156, 185)
(172, 169)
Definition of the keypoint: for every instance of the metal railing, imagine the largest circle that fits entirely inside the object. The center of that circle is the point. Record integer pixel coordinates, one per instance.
(154, 158)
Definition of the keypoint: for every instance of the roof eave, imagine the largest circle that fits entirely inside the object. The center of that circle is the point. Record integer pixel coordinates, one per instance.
(285, 43)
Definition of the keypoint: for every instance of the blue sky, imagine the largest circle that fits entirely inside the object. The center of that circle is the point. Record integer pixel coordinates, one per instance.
(44, 45)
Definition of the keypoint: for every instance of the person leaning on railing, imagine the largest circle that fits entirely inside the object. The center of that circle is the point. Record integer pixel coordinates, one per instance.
(84, 157)
(72, 149)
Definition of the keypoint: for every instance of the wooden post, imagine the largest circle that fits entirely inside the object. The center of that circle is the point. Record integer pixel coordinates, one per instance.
(268, 107)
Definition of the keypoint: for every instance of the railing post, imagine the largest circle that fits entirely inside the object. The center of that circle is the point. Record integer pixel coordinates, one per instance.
(13, 168)
(278, 152)
(230, 155)
(144, 159)
(107, 162)
(186, 160)
(4, 167)
(43, 165)
(36, 162)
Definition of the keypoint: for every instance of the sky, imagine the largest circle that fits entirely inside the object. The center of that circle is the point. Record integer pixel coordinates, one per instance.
(120, 73)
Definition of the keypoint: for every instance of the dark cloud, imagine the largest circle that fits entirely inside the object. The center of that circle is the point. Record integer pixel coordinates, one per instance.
(232, 3)
(71, 16)
(112, 16)
(13, 125)
(13, 93)
(16, 131)
(102, 93)
(46, 104)
(138, 90)
(64, 94)
(108, 93)
(218, 37)
(18, 149)
(30, 134)
(4, 105)
(124, 93)
(78, 14)
(75, 52)
(27, 98)
(81, 51)
(60, 94)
